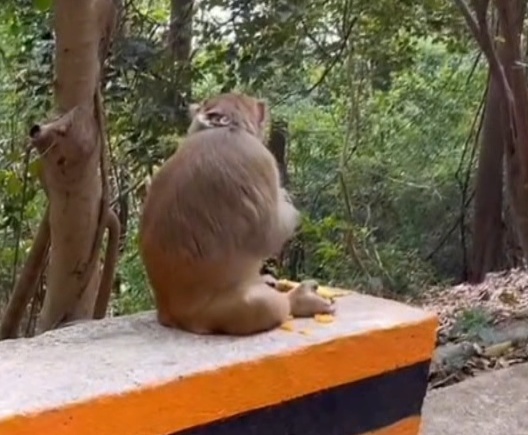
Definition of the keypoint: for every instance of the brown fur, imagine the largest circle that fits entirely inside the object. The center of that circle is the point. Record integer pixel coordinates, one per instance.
(213, 212)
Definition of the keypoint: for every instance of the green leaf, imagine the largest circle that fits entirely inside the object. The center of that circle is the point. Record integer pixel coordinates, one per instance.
(35, 167)
(13, 185)
(42, 5)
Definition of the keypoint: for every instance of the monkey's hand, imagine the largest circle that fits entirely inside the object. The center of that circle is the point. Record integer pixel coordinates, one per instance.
(305, 302)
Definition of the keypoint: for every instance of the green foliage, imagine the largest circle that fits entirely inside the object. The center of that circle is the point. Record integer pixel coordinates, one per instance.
(472, 323)
(379, 98)
(401, 178)
(42, 5)
(133, 291)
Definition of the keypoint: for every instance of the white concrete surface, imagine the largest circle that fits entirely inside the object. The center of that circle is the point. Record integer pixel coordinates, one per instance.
(114, 355)
(495, 403)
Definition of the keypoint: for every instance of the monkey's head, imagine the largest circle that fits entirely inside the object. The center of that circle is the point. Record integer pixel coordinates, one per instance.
(231, 109)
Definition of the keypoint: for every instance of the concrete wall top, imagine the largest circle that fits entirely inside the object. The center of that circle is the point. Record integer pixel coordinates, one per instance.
(174, 380)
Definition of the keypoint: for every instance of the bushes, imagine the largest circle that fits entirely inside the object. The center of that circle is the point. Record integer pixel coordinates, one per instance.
(401, 182)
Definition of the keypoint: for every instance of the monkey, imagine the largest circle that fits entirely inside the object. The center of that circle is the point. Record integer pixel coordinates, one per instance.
(214, 211)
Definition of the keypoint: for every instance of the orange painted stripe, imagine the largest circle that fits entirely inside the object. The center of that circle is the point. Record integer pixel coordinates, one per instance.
(208, 396)
(408, 426)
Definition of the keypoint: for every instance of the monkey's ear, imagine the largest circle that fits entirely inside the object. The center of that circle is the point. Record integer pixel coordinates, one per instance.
(193, 109)
(262, 113)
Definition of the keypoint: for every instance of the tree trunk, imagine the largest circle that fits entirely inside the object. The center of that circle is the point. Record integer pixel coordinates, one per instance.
(180, 45)
(71, 147)
(513, 253)
(487, 220)
(277, 144)
(515, 116)
(506, 67)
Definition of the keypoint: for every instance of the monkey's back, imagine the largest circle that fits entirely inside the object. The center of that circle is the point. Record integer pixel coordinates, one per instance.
(209, 208)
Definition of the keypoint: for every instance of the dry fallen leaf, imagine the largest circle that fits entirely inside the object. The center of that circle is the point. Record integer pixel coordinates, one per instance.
(508, 298)
(497, 350)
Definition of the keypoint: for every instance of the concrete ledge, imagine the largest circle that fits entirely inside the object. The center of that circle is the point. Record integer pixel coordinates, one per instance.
(366, 372)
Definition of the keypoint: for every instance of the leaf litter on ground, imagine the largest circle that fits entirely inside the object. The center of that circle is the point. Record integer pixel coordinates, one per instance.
(482, 327)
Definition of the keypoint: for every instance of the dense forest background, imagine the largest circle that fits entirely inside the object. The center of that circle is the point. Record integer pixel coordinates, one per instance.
(379, 116)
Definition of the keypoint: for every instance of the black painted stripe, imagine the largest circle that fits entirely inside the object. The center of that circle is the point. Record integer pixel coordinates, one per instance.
(350, 409)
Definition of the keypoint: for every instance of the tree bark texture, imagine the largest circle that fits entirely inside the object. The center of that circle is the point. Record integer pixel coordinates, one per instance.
(505, 59)
(277, 143)
(487, 220)
(70, 147)
(515, 114)
(180, 46)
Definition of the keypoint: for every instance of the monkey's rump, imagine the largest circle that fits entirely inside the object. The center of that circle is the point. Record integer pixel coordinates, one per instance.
(208, 221)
